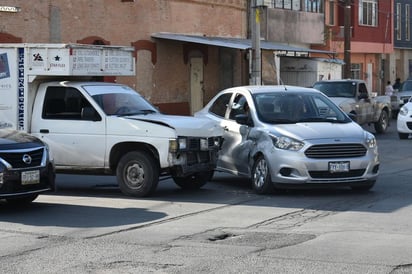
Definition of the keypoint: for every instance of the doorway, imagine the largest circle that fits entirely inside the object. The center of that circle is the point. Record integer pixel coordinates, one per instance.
(196, 84)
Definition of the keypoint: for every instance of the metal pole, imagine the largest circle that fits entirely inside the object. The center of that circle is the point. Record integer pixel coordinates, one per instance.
(256, 51)
(347, 33)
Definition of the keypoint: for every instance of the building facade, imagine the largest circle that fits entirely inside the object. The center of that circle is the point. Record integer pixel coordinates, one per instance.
(403, 39)
(371, 38)
(170, 74)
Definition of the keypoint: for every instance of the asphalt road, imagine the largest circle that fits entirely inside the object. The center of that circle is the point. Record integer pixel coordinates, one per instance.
(88, 226)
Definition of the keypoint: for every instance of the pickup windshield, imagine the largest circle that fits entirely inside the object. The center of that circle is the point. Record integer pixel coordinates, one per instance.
(337, 89)
(119, 100)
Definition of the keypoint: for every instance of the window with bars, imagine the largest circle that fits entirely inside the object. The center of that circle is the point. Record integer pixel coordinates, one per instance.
(368, 12)
(398, 21)
(315, 6)
(407, 23)
(356, 71)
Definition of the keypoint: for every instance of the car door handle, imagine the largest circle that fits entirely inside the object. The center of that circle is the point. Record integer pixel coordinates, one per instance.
(225, 128)
(44, 131)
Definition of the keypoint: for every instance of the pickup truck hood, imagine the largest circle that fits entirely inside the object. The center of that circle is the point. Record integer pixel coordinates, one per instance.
(342, 100)
(184, 125)
(308, 131)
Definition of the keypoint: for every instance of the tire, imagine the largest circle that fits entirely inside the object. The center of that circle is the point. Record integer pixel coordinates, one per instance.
(382, 124)
(194, 181)
(363, 187)
(22, 201)
(137, 174)
(403, 135)
(261, 180)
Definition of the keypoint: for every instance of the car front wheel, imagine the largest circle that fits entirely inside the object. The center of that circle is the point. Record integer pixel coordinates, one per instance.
(137, 174)
(261, 180)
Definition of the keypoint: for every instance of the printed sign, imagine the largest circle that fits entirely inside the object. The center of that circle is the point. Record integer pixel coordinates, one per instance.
(4, 66)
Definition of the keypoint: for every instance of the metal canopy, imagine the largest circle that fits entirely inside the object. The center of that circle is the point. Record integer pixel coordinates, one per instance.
(235, 43)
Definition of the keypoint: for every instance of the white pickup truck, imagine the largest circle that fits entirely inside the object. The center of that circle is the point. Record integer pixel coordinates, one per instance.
(94, 127)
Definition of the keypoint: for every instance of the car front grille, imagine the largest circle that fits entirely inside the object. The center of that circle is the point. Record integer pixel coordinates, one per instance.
(409, 125)
(336, 175)
(335, 151)
(15, 158)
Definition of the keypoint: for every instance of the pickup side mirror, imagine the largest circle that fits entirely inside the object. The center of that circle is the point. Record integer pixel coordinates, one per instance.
(90, 114)
(363, 95)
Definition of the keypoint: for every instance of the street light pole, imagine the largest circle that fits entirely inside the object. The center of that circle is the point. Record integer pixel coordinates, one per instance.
(256, 78)
(347, 34)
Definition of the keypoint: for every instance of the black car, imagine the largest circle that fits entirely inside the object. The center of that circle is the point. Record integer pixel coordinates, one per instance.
(26, 169)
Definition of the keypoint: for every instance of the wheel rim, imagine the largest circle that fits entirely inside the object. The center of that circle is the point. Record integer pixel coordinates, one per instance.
(260, 173)
(384, 120)
(135, 176)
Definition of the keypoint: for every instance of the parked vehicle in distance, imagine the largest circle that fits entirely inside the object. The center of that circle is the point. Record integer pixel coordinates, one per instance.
(404, 120)
(26, 169)
(287, 136)
(405, 92)
(353, 97)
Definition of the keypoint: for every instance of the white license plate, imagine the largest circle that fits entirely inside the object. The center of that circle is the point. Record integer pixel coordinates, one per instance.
(335, 167)
(30, 177)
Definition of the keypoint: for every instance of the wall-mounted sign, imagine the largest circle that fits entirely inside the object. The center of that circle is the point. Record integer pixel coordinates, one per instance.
(9, 9)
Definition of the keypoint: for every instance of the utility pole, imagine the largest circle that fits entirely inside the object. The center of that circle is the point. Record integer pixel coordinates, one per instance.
(256, 73)
(347, 34)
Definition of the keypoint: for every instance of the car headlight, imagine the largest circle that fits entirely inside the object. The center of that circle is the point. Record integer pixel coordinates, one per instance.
(370, 140)
(286, 143)
(177, 144)
(403, 111)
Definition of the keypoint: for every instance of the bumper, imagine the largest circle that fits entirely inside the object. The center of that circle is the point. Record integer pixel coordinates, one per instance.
(12, 186)
(295, 169)
(191, 162)
(404, 124)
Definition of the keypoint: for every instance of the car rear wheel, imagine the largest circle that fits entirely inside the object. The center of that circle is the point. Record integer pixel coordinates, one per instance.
(137, 174)
(403, 135)
(194, 181)
(261, 180)
(382, 124)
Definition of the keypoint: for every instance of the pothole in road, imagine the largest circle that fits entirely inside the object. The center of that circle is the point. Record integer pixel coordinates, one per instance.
(250, 238)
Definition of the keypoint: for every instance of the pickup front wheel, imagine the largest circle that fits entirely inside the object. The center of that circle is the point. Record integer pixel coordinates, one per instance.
(382, 124)
(137, 174)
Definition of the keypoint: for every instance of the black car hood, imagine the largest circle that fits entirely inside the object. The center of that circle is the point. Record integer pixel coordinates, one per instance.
(9, 136)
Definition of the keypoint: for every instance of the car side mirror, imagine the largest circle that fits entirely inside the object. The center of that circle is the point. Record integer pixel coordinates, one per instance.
(243, 119)
(90, 114)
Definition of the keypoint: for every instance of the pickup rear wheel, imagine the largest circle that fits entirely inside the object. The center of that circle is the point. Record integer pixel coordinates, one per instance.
(194, 181)
(137, 174)
(382, 124)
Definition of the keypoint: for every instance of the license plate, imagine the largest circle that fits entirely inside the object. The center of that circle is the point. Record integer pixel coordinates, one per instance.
(335, 167)
(30, 177)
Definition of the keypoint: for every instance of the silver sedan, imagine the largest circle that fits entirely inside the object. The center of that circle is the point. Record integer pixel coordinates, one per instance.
(286, 136)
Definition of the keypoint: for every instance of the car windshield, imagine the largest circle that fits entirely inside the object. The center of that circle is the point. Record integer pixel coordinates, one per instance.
(119, 100)
(406, 86)
(337, 89)
(284, 108)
